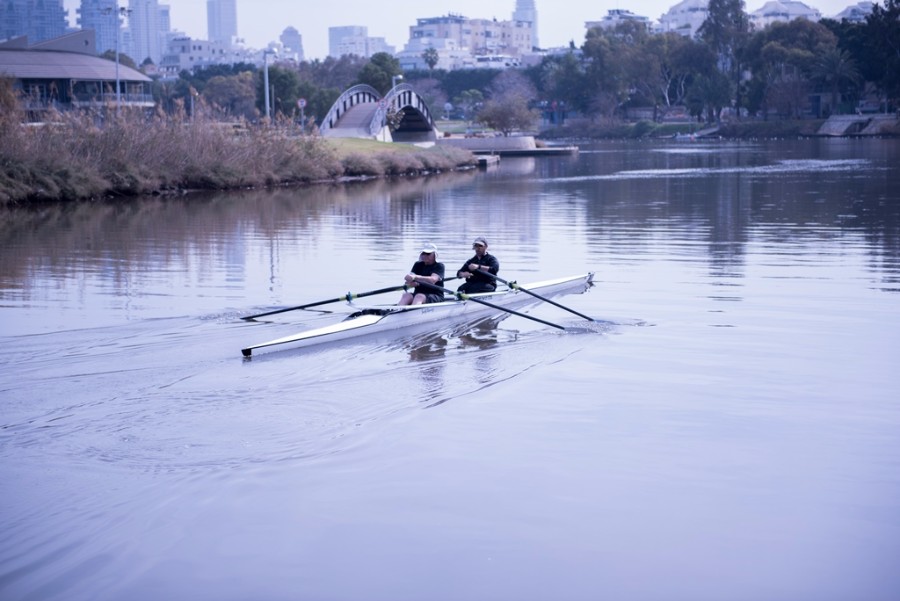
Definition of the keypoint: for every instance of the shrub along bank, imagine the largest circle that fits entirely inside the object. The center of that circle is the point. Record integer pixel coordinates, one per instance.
(72, 157)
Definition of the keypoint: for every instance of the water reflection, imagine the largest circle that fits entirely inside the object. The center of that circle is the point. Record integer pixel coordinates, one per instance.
(610, 203)
(468, 344)
(480, 336)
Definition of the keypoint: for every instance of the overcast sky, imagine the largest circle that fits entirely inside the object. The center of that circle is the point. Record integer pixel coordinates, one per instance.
(559, 21)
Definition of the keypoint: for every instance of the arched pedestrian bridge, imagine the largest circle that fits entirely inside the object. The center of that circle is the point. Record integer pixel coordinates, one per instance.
(361, 112)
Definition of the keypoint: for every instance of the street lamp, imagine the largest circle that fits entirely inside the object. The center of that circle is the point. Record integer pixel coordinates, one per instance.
(394, 80)
(119, 12)
(266, 54)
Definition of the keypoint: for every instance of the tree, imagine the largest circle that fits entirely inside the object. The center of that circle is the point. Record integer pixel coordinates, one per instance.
(431, 92)
(725, 31)
(511, 85)
(782, 58)
(662, 66)
(200, 77)
(561, 84)
(124, 59)
(332, 72)
(318, 100)
(883, 29)
(469, 101)
(431, 57)
(379, 71)
(607, 83)
(708, 95)
(508, 110)
(835, 69)
(506, 118)
(234, 94)
(284, 85)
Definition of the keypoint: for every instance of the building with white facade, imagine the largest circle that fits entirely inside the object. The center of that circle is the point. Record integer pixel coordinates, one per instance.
(615, 17)
(450, 55)
(354, 39)
(784, 11)
(684, 18)
(347, 39)
(856, 13)
(221, 19)
(527, 13)
(460, 41)
(188, 54)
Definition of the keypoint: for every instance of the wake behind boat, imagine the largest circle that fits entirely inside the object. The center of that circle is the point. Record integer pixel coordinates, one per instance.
(382, 318)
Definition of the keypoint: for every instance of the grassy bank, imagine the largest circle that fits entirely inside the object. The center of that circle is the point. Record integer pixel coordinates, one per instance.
(76, 156)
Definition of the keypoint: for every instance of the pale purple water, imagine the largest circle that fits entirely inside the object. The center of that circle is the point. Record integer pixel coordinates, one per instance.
(728, 430)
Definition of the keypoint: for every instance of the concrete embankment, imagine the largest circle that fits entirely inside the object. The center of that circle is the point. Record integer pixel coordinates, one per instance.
(861, 125)
(505, 146)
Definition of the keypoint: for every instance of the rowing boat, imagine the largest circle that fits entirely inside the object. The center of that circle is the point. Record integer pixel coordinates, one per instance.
(381, 318)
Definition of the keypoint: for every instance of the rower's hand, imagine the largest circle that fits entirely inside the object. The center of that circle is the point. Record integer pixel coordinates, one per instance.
(473, 267)
(410, 278)
(465, 275)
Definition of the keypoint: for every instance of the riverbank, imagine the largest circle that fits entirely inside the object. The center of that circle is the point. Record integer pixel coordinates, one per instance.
(71, 157)
(738, 130)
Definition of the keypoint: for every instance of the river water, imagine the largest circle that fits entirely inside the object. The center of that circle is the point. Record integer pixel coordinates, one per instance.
(726, 429)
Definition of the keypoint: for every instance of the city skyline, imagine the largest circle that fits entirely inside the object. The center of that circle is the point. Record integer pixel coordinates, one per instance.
(263, 21)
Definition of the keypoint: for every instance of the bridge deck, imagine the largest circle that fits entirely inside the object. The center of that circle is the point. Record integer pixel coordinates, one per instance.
(355, 122)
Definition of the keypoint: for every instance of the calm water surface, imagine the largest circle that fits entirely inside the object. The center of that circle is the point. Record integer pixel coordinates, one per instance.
(727, 429)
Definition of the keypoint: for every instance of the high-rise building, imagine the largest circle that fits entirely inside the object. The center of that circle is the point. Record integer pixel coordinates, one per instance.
(104, 18)
(165, 18)
(38, 19)
(221, 18)
(146, 35)
(526, 12)
(348, 39)
(292, 42)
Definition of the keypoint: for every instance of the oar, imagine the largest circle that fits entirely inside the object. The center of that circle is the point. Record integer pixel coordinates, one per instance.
(347, 297)
(515, 286)
(464, 296)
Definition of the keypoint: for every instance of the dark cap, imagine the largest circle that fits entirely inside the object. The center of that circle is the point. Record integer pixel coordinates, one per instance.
(480, 240)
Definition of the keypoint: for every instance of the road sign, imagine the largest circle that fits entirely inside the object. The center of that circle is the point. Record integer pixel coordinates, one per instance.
(301, 102)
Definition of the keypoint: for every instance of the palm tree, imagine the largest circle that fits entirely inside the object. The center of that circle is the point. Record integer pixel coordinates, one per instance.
(431, 57)
(835, 68)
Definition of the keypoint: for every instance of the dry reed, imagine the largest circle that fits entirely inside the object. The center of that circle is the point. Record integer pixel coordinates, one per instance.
(84, 155)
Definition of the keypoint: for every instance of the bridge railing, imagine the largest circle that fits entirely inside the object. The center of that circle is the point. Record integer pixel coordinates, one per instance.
(350, 98)
(397, 98)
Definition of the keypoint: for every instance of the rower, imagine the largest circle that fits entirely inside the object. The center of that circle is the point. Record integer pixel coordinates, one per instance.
(426, 271)
(477, 269)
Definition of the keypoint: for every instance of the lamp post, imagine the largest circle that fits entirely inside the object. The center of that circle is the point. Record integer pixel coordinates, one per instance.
(266, 54)
(394, 80)
(118, 13)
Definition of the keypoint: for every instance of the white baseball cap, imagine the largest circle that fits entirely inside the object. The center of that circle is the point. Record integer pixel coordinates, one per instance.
(429, 248)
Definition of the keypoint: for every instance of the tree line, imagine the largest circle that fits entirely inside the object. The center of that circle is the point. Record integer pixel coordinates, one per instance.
(727, 68)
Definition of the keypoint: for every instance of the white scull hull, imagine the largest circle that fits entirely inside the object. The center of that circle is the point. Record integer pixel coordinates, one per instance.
(382, 318)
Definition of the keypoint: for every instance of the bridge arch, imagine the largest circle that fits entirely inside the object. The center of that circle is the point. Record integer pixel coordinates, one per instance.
(361, 112)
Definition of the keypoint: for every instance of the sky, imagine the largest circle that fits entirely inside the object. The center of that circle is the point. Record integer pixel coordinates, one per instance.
(559, 21)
